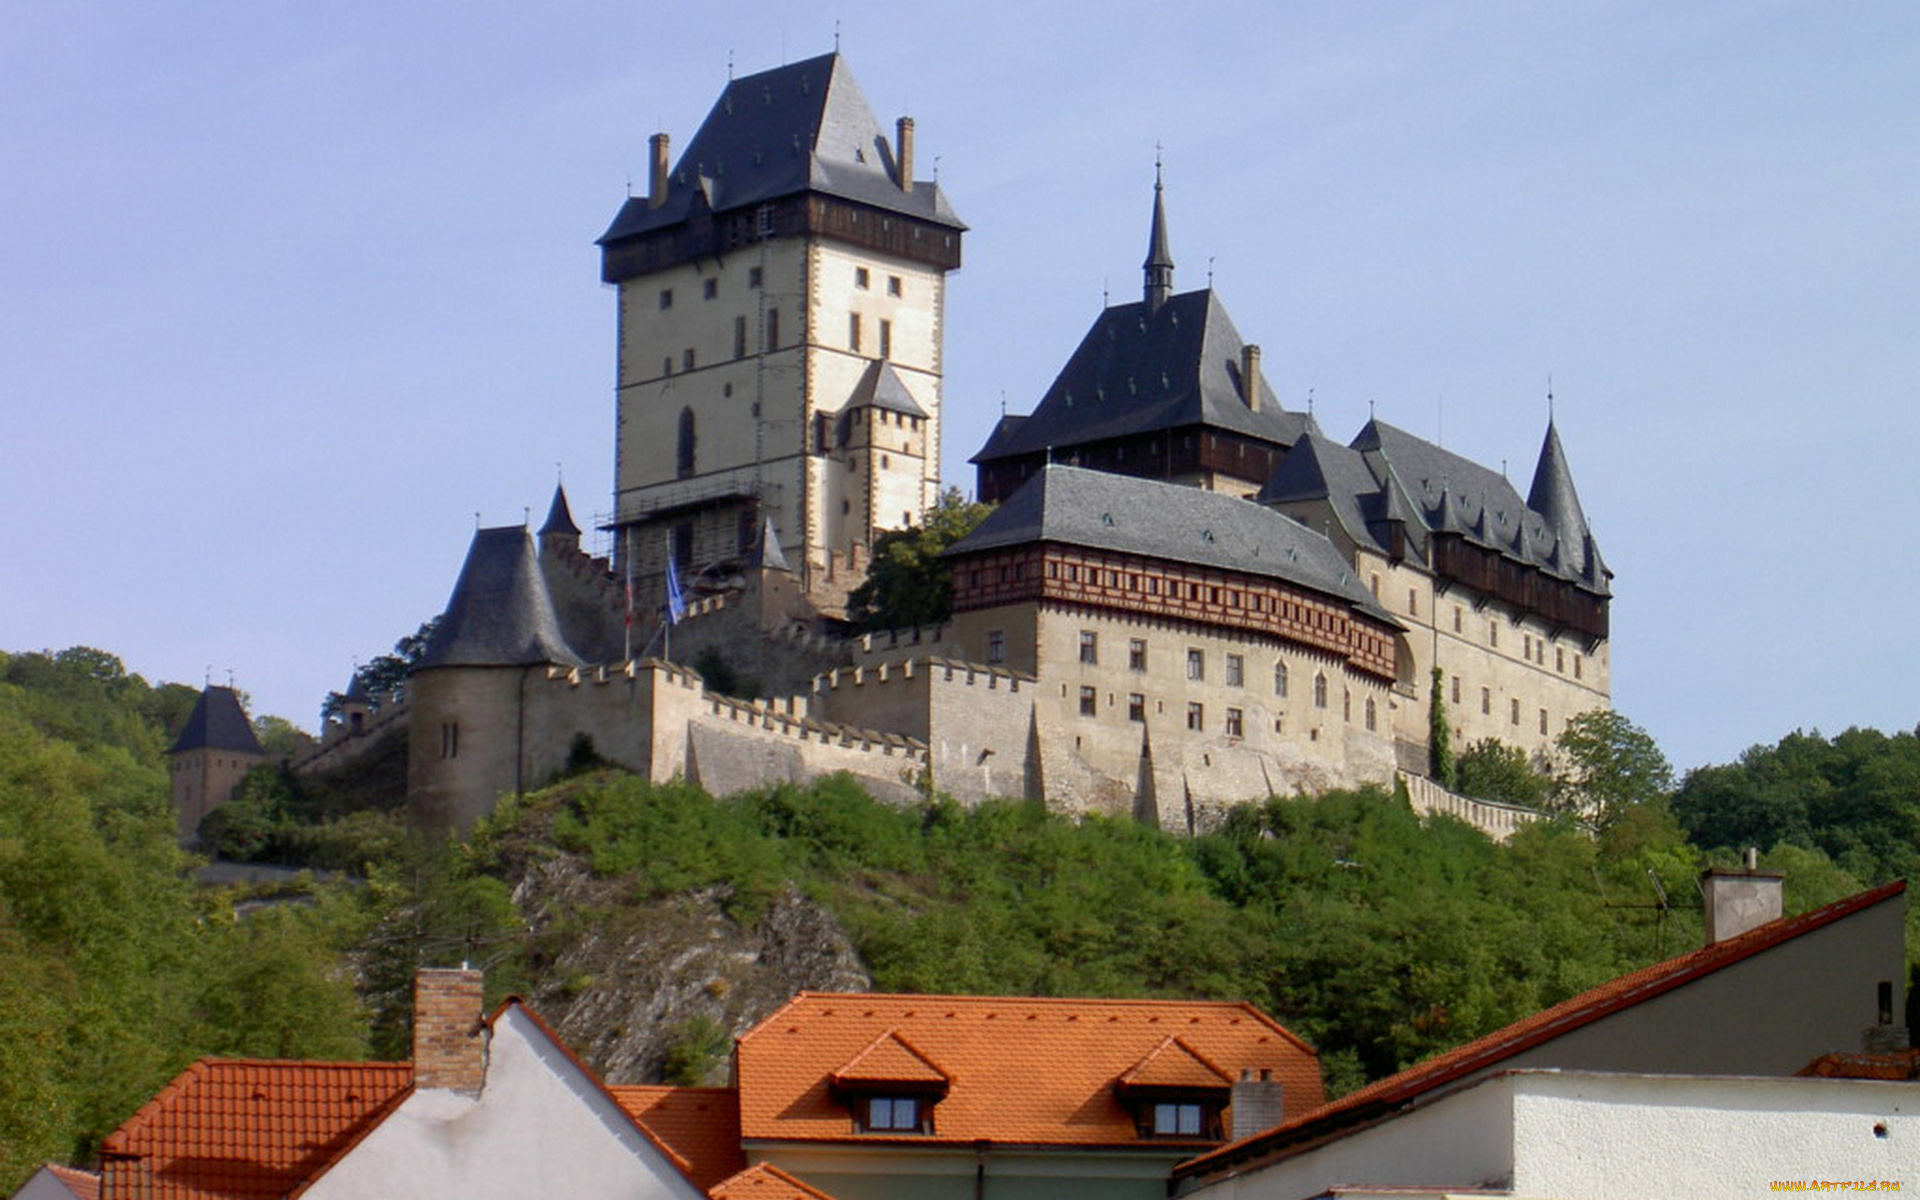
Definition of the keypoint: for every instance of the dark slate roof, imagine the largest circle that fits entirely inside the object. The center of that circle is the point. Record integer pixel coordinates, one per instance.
(801, 127)
(771, 556)
(882, 387)
(1099, 510)
(1554, 498)
(1389, 474)
(500, 613)
(559, 516)
(1139, 372)
(218, 723)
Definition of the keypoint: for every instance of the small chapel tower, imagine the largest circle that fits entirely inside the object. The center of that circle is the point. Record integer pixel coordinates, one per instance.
(781, 299)
(213, 754)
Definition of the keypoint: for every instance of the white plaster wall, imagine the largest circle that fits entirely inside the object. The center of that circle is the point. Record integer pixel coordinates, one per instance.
(539, 1128)
(1601, 1137)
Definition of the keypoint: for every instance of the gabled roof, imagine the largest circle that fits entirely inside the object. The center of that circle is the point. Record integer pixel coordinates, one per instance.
(1482, 1054)
(881, 387)
(888, 1059)
(1174, 1064)
(500, 612)
(232, 1129)
(218, 723)
(1096, 509)
(700, 1124)
(1022, 1071)
(764, 1181)
(1141, 371)
(797, 128)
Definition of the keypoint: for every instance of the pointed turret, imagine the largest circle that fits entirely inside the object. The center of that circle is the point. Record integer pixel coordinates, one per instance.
(1159, 264)
(1554, 498)
(500, 613)
(559, 516)
(218, 723)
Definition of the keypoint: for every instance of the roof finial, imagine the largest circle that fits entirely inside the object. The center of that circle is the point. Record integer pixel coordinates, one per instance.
(1209, 272)
(1309, 401)
(1369, 408)
(729, 66)
(1549, 397)
(836, 35)
(1106, 295)
(1159, 264)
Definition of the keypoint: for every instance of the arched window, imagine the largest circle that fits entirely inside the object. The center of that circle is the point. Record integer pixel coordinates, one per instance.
(1319, 690)
(684, 457)
(1280, 680)
(1372, 715)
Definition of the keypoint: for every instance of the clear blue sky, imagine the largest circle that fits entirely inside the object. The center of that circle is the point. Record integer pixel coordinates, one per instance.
(293, 291)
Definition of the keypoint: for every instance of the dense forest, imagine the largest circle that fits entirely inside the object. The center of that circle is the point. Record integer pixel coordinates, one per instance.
(1378, 936)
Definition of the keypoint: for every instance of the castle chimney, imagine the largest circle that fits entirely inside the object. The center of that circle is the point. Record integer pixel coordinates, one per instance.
(657, 175)
(1739, 898)
(1250, 375)
(1257, 1103)
(903, 151)
(449, 1041)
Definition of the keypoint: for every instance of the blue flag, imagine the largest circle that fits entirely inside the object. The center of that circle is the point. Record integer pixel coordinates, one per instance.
(676, 602)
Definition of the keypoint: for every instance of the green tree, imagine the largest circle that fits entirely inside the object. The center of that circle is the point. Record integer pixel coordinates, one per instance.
(908, 583)
(1493, 770)
(1440, 735)
(1608, 765)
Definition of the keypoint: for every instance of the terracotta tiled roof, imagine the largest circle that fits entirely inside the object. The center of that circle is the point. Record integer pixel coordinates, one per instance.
(1021, 1071)
(1899, 1065)
(890, 1058)
(701, 1125)
(85, 1185)
(230, 1129)
(1395, 1091)
(765, 1182)
(1174, 1064)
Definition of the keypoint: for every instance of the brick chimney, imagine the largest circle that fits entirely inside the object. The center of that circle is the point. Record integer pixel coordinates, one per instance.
(657, 172)
(1739, 898)
(449, 1042)
(903, 151)
(1257, 1103)
(1250, 375)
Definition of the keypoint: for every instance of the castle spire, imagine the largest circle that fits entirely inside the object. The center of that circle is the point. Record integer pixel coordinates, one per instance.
(1159, 264)
(1553, 497)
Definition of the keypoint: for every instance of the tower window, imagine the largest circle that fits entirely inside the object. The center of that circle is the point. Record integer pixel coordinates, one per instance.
(1236, 671)
(893, 285)
(686, 359)
(1196, 664)
(683, 457)
(996, 646)
(1235, 723)
(710, 288)
(1280, 680)
(1513, 711)
(754, 276)
(1136, 654)
(1543, 720)
(1319, 690)
(1456, 689)
(853, 332)
(1196, 717)
(739, 337)
(1486, 702)
(1088, 702)
(1136, 707)
(861, 278)
(886, 339)
(773, 329)
(666, 298)
(1373, 715)
(1089, 647)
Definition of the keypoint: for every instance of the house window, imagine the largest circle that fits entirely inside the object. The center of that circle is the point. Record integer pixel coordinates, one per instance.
(1089, 703)
(1196, 664)
(1280, 680)
(1179, 1120)
(710, 288)
(754, 276)
(891, 1114)
(1089, 647)
(739, 337)
(1373, 718)
(1235, 723)
(666, 298)
(996, 646)
(1137, 654)
(1196, 716)
(1136, 707)
(886, 339)
(853, 332)
(1319, 690)
(893, 285)
(1236, 671)
(861, 278)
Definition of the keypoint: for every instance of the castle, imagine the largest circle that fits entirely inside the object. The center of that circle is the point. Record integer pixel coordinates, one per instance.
(1187, 596)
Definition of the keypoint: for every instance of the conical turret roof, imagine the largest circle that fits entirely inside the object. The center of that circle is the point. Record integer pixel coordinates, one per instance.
(218, 723)
(559, 516)
(1554, 498)
(500, 613)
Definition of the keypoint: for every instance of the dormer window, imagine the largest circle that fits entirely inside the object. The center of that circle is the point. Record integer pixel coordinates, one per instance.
(890, 1087)
(1188, 1118)
(1174, 1092)
(895, 1114)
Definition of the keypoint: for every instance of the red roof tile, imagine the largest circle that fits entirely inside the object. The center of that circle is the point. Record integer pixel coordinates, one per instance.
(765, 1182)
(890, 1058)
(1174, 1064)
(1024, 1071)
(1628, 990)
(701, 1125)
(229, 1129)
